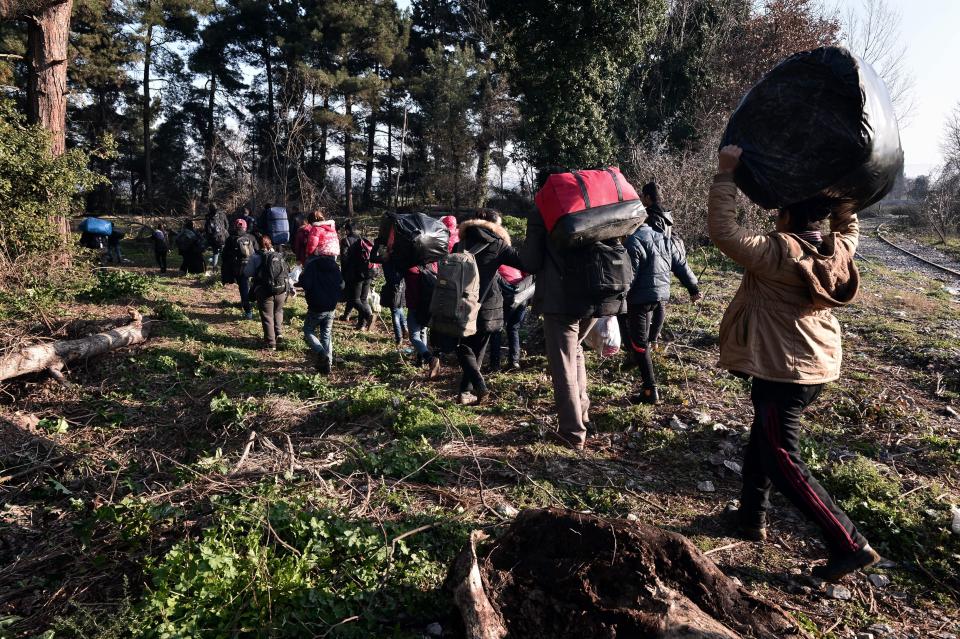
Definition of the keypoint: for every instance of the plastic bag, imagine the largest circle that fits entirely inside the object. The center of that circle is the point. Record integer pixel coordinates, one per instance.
(374, 301)
(294, 275)
(819, 125)
(604, 337)
(412, 239)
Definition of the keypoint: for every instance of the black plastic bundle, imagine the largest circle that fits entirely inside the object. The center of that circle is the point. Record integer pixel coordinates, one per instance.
(411, 239)
(819, 125)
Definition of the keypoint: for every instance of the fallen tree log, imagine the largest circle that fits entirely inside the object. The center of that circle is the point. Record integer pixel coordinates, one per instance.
(559, 574)
(54, 356)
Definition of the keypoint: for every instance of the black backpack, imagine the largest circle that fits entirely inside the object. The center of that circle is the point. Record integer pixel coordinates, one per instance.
(246, 247)
(273, 273)
(600, 274)
(186, 240)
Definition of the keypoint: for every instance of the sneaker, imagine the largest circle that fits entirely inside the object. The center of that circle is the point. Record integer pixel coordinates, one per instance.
(433, 368)
(746, 528)
(837, 568)
(646, 396)
(465, 399)
(515, 365)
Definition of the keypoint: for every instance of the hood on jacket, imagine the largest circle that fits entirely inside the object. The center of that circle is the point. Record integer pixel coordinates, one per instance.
(658, 218)
(450, 222)
(484, 228)
(828, 270)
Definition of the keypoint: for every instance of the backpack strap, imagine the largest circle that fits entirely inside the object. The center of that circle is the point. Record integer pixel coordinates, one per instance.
(616, 183)
(583, 188)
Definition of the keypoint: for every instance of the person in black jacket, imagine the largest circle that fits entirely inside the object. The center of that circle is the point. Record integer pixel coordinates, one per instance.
(655, 255)
(357, 276)
(239, 248)
(490, 245)
(322, 284)
(161, 246)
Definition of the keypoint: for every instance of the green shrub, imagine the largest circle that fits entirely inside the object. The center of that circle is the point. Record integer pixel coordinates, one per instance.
(35, 186)
(283, 567)
(116, 284)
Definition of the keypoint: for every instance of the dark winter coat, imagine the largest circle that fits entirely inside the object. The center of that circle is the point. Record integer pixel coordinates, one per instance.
(233, 262)
(490, 244)
(392, 294)
(541, 258)
(655, 254)
(322, 283)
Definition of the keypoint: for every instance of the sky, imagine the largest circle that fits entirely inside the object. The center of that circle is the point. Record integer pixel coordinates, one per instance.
(929, 30)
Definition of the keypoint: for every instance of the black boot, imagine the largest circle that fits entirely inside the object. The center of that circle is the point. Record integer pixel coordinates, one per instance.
(837, 568)
(646, 396)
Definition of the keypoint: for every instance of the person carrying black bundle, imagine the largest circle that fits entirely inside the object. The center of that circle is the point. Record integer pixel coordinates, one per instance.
(655, 254)
(216, 231)
(779, 331)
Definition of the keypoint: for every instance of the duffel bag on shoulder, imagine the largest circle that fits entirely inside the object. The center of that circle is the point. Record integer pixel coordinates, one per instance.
(413, 239)
(583, 207)
(96, 226)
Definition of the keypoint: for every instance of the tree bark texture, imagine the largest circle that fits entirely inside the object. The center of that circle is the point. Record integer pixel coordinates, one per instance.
(48, 31)
(371, 141)
(41, 357)
(348, 155)
(147, 117)
(210, 140)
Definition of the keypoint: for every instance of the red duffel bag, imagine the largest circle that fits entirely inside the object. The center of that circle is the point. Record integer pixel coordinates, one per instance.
(583, 207)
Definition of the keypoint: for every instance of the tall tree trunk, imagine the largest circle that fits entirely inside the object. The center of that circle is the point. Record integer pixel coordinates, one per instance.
(147, 171)
(371, 141)
(389, 189)
(348, 154)
(48, 32)
(209, 142)
(47, 35)
(268, 67)
(484, 141)
(324, 132)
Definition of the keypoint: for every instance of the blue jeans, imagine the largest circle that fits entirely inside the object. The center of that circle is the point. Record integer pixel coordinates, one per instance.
(114, 254)
(243, 283)
(399, 323)
(318, 333)
(215, 258)
(418, 335)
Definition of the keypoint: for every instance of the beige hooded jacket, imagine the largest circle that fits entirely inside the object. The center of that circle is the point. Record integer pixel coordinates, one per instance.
(779, 326)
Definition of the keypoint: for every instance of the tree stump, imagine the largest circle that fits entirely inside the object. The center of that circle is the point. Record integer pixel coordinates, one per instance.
(558, 574)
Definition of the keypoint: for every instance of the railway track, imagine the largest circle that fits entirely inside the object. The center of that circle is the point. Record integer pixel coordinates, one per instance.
(945, 269)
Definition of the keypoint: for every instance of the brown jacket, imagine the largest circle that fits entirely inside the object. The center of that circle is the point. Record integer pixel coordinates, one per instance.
(779, 326)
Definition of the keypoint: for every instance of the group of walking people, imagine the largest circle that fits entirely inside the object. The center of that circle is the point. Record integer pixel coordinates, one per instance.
(778, 331)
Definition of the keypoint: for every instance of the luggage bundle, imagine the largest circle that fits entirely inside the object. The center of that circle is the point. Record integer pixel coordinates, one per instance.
(278, 225)
(583, 207)
(411, 239)
(819, 125)
(96, 226)
(323, 240)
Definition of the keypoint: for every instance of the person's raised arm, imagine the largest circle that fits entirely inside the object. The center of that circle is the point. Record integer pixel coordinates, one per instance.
(750, 249)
